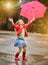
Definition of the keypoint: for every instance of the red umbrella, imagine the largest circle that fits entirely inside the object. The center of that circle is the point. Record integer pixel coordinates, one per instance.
(33, 8)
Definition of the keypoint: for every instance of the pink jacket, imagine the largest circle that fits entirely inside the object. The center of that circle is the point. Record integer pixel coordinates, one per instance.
(19, 29)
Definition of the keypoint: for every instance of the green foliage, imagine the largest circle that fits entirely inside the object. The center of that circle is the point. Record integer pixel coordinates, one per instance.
(45, 2)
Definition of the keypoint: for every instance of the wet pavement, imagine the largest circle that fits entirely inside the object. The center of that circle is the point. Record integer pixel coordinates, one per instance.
(32, 60)
(37, 50)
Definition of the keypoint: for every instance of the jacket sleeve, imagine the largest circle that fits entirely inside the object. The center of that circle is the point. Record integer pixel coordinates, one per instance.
(28, 24)
(15, 26)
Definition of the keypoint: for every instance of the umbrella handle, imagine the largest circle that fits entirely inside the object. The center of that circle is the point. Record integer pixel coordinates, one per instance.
(33, 12)
(33, 15)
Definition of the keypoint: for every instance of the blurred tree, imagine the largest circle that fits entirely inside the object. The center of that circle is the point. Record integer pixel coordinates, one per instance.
(44, 2)
(6, 12)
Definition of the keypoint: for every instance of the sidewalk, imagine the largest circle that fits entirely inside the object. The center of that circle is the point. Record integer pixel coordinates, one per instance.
(6, 32)
(13, 32)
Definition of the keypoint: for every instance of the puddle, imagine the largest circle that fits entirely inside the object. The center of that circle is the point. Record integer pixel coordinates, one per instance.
(6, 59)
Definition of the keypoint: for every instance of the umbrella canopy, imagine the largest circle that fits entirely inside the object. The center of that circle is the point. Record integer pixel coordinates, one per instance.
(33, 9)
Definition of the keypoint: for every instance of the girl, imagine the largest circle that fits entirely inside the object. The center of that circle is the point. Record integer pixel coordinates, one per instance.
(20, 27)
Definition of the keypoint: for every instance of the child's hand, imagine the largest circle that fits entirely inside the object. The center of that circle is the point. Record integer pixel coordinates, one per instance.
(11, 20)
(32, 20)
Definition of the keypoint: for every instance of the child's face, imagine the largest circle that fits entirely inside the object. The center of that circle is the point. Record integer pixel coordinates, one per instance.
(21, 22)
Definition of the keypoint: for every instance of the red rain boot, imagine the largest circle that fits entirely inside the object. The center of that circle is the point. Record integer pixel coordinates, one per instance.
(16, 57)
(24, 57)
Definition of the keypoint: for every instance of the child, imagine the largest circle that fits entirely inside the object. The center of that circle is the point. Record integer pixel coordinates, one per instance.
(20, 27)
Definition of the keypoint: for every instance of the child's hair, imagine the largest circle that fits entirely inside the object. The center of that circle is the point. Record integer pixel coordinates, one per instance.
(19, 21)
